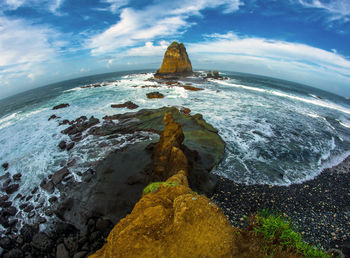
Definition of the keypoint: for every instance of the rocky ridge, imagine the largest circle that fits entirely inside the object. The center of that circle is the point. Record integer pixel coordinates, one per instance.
(171, 220)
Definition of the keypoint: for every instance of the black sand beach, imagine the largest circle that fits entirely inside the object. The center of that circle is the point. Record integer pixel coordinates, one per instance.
(319, 208)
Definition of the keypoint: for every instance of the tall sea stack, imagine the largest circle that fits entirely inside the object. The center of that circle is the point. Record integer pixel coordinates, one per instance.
(176, 61)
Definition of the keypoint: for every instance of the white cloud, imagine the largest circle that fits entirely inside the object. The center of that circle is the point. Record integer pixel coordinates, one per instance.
(25, 49)
(115, 5)
(149, 49)
(51, 5)
(22, 42)
(338, 9)
(275, 58)
(159, 20)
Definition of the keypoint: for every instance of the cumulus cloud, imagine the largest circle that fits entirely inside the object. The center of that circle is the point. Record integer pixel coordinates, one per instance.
(153, 22)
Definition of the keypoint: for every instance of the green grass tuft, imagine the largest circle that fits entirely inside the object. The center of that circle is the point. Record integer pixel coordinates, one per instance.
(155, 185)
(279, 232)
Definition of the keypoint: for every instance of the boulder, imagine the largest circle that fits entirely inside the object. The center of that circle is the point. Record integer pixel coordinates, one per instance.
(175, 61)
(5, 165)
(47, 186)
(42, 242)
(61, 251)
(155, 95)
(17, 177)
(12, 188)
(70, 146)
(52, 117)
(128, 104)
(62, 145)
(63, 105)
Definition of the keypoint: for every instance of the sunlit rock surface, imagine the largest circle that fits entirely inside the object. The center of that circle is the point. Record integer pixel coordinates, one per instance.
(175, 61)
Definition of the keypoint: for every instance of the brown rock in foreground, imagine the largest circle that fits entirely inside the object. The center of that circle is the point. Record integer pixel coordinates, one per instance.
(175, 61)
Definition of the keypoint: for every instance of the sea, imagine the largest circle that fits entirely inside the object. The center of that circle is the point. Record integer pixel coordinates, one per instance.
(276, 132)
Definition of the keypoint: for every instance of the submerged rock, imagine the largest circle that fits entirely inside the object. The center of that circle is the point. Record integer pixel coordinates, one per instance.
(175, 61)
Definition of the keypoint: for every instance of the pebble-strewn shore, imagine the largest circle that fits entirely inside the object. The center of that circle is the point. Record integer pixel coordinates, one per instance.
(319, 208)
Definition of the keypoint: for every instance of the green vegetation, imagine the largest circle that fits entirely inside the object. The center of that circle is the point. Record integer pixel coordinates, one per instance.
(278, 234)
(155, 185)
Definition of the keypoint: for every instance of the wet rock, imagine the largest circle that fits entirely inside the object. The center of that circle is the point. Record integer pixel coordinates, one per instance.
(5, 204)
(80, 125)
(5, 176)
(59, 175)
(155, 95)
(35, 190)
(6, 242)
(12, 188)
(70, 146)
(192, 88)
(52, 117)
(4, 198)
(71, 163)
(47, 186)
(6, 183)
(61, 251)
(17, 177)
(5, 165)
(13, 222)
(63, 105)
(14, 253)
(10, 211)
(53, 199)
(27, 232)
(128, 104)
(62, 145)
(42, 220)
(29, 208)
(64, 122)
(42, 242)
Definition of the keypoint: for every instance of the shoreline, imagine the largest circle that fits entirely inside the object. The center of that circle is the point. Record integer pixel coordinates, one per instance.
(319, 208)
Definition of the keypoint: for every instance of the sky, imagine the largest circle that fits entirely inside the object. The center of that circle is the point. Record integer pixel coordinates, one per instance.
(46, 41)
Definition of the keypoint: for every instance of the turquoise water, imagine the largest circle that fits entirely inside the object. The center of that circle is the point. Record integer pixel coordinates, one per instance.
(277, 132)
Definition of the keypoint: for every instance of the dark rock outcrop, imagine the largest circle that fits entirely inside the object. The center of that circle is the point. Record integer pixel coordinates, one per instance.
(113, 187)
(63, 105)
(175, 61)
(155, 95)
(5, 165)
(128, 104)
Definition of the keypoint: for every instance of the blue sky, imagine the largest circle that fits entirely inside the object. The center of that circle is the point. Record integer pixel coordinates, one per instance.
(43, 41)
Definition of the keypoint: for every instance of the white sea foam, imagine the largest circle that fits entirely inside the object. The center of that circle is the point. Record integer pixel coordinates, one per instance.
(317, 101)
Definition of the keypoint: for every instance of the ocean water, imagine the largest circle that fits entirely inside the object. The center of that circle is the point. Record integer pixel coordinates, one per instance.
(277, 132)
